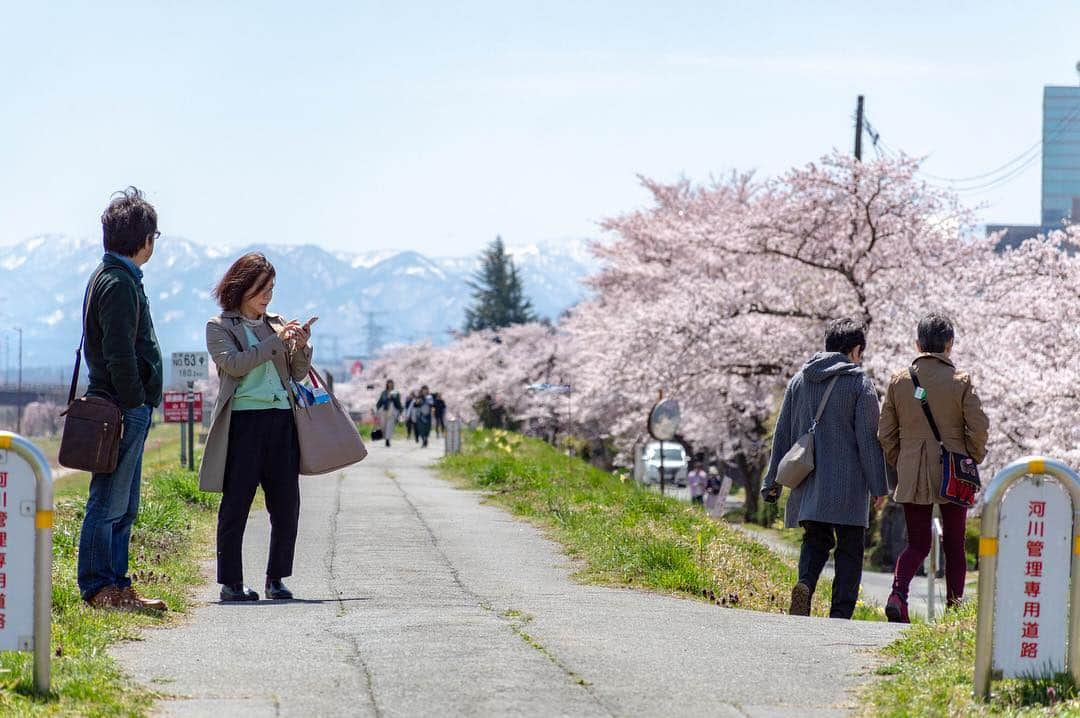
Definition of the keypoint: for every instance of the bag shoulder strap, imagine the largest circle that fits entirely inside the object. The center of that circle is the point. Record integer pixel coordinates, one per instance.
(925, 404)
(82, 337)
(824, 401)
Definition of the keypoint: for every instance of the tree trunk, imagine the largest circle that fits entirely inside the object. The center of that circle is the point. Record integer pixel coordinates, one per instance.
(748, 473)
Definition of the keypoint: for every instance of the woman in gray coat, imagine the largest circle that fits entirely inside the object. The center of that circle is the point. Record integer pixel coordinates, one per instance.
(252, 439)
(833, 503)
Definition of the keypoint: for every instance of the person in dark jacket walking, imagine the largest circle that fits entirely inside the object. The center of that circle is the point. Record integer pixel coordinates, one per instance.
(833, 503)
(124, 363)
(389, 406)
(424, 407)
(440, 414)
(410, 416)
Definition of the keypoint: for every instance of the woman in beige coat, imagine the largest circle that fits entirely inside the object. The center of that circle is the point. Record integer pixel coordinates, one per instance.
(910, 446)
(252, 438)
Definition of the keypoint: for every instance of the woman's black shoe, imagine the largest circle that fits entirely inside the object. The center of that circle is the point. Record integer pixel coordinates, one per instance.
(276, 590)
(238, 592)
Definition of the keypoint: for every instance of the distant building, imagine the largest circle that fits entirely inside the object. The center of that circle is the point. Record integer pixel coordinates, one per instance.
(1015, 234)
(1060, 155)
(1060, 167)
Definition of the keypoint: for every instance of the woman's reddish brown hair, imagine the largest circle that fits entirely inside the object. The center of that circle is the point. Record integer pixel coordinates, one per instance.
(241, 278)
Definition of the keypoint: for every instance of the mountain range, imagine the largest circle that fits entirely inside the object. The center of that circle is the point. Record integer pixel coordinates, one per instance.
(365, 300)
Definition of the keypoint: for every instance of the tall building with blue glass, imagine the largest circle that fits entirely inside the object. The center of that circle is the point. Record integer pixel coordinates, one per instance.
(1060, 155)
(1060, 167)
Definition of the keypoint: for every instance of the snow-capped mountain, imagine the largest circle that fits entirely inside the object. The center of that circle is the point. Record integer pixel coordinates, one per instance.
(363, 300)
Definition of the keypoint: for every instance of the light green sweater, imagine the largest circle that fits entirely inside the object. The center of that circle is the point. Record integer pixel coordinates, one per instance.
(261, 388)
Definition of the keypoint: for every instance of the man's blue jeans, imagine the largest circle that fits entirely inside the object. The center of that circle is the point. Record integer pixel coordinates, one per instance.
(111, 509)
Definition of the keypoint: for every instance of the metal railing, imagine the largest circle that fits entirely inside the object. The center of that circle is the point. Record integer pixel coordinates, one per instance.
(932, 568)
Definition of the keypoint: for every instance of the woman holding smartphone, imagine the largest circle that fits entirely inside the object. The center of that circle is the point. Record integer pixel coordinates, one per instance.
(252, 440)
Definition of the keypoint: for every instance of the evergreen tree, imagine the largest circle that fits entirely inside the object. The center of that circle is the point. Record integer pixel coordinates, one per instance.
(498, 298)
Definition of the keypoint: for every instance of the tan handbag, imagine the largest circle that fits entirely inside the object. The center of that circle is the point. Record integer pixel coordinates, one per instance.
(328, 437)
(798, 462)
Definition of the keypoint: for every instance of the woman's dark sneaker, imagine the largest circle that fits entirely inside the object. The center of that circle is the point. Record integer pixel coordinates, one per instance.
(896, 609)
(277, 591)
(238, 592)
(800, 600)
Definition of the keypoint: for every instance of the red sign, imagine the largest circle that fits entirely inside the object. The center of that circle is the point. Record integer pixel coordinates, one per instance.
(176, 406)
(356, 368)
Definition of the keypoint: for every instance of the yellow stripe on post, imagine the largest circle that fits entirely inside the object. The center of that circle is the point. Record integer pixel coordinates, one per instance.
(1037, 466)
(1076, 545)
(988, 546)
(5, 441)
(43, 520)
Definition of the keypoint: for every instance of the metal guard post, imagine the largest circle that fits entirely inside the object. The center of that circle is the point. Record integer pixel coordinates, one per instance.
(43, 528)
(988, 552)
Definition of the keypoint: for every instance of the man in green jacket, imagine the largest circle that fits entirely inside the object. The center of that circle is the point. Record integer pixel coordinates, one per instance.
(124, 364)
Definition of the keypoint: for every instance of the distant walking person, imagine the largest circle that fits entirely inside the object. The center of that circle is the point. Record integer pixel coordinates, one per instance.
(389, 408)
(910, 446)
(252, 439)
(440, 414)
(410, 416)
(695, 483)
(124, 363)
(425, 413)
(717, 489)
(833, 503)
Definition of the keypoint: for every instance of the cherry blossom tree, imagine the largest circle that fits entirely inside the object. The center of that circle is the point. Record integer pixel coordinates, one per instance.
(42, 418)
(716, 294)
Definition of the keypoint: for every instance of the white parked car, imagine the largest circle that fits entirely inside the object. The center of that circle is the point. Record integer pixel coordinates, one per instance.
(676, 463)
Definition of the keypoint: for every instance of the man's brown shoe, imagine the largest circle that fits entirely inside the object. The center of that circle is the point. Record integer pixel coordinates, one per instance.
(131, 597)
(108, 597)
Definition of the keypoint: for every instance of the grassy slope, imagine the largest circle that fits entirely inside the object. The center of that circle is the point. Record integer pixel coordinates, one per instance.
(174, 522)
(931, 675)
(625, 535)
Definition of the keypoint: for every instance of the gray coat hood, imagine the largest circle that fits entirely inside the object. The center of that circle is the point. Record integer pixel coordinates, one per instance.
(825, 365)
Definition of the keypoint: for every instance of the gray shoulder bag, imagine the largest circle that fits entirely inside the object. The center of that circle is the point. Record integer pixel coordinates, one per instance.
(798, 462)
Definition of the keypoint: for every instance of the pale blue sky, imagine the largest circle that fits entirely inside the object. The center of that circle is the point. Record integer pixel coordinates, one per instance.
(435, 126)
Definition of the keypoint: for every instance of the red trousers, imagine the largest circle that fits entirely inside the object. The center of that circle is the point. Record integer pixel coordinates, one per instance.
(953, 520)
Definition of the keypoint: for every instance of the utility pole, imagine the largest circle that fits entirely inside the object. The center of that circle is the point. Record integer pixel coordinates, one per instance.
(18, 390)
(373, 334)
(858, 128)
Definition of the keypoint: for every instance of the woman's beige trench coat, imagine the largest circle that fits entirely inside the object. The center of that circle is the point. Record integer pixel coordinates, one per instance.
(228, 346)
(905, 433)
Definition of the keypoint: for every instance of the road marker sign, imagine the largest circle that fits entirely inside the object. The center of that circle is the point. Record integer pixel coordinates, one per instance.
(190, 366)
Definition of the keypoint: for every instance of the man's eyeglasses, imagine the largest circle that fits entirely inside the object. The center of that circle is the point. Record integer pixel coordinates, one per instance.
(156, 235)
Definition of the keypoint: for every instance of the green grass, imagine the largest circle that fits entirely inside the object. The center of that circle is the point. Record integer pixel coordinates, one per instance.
(930, 674)
(174, 525)
(623, 534)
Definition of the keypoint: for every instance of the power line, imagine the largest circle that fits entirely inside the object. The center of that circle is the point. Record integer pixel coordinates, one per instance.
(999, 176)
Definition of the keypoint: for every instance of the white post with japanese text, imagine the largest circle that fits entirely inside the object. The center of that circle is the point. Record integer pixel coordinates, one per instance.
(1029, 574)
(26, 523)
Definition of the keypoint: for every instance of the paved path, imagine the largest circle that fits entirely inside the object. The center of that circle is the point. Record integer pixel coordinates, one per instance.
(876, 585)
(416, 599)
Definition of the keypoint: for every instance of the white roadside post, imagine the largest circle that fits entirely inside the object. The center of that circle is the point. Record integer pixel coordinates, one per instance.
(26, 518)
(1029, 566)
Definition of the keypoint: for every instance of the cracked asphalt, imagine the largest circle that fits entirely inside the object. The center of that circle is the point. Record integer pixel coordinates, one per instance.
(415, 599)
